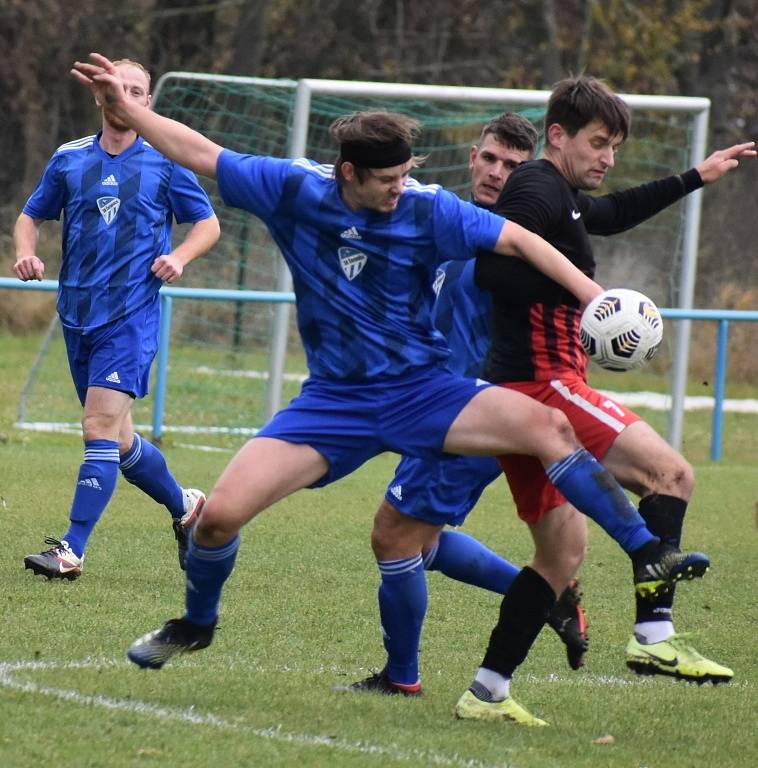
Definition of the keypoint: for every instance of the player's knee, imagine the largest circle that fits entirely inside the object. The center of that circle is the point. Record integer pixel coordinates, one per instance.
(673, 476)
(560, 566)
(383, 534)
(683, 478)
(100, 426)
(558, 434)
(396, 536)
(217, 524)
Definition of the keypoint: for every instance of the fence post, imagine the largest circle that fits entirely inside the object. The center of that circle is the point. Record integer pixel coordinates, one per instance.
(164, 338)
(719, 375)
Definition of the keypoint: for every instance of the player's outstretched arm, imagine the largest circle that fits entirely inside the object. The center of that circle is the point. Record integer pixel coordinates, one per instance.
(515, 240)
(171, 138)
(25, 238)
(724, 160)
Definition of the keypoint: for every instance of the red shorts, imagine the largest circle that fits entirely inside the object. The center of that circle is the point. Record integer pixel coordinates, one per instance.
(597, 421)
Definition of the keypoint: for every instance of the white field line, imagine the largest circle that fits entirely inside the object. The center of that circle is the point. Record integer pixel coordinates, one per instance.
(74, 428)
(660, 402)
(653, 400)
(10, 670)
(240, 373)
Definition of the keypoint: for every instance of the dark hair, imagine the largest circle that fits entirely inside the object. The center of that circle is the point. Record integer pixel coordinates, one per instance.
(373, 127)
(578, 101)
(512, 130)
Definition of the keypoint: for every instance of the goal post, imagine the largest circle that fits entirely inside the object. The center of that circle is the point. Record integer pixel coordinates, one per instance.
(502, 99)
(232, 363)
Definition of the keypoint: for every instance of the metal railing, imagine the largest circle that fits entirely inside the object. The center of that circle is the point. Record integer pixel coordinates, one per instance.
(721, 316)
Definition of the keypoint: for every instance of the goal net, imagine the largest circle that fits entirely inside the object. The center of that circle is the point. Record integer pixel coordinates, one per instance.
(221, 351)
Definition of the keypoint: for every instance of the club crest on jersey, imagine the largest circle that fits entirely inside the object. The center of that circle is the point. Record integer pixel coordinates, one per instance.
(439, 280)
(352, 261)
(108, 207)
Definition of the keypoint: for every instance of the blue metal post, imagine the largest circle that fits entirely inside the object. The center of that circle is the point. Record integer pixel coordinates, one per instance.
(164, 338)
(719, 374)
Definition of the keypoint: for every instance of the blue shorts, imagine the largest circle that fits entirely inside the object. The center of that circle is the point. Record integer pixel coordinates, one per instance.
(349, 423)
(117, 355)
(441, 492)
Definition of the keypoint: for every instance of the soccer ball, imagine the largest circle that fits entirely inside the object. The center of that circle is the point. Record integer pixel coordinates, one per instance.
(621, 329)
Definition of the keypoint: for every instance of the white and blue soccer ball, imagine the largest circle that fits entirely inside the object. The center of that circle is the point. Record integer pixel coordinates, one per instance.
(621, 329)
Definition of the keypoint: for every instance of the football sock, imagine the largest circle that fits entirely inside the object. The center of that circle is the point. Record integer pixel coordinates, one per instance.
(594, 491)
(664, 516)
(653, 631)
(208, 568)
(143, 465)
(523, 613)
(461, 557)
(490, 686)
(98, 474)
(402, 607)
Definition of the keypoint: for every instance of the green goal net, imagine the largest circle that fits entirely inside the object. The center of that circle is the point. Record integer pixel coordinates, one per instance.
(220, 351)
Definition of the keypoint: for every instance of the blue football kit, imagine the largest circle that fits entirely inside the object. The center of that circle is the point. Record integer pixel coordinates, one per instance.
(117, 218)
(364, 287)
(445, 490)
(364, 284)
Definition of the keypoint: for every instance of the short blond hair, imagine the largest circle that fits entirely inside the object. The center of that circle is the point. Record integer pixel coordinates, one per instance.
(135, 64)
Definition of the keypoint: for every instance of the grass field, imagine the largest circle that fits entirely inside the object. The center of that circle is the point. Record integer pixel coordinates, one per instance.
(299, 616)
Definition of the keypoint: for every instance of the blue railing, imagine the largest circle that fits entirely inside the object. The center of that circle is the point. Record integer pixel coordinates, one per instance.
(722, 316)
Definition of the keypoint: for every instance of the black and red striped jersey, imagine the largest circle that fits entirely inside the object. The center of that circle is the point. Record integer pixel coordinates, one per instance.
(535, 322)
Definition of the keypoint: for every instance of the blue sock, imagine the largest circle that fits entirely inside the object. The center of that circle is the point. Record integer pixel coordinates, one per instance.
(465, 559)
(94, 487)
(402, 607)
(208, 568)
(593, 490)
(143, 465)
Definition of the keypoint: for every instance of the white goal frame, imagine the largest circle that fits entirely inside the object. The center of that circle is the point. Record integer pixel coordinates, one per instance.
(503, 98)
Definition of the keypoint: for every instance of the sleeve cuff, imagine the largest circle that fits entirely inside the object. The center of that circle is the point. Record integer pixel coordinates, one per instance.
(691, 180)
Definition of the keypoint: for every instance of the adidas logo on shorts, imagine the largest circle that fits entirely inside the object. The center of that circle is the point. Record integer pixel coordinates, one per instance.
(397, 492)
(113, 378)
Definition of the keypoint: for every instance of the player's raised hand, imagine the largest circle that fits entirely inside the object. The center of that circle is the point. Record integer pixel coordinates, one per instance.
(101, 77)
(724, 160)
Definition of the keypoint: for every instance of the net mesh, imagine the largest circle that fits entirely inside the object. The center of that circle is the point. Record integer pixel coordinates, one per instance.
(219, 349)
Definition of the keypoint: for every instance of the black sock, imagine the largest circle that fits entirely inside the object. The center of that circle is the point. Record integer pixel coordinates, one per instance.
(664, 516)
(523, 613)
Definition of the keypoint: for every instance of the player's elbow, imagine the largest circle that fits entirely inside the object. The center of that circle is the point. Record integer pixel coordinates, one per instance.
(212, 229)
(511, 239)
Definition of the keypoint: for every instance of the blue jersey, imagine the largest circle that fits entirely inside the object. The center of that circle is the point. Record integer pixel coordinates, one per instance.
(117, 216)
(363, 279)
(462, 315)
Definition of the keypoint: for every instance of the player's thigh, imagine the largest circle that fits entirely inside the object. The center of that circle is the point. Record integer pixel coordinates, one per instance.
(644, 463)
(498, 420)
(262, 472)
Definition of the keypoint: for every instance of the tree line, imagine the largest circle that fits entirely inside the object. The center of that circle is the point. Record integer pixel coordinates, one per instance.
(673, 47)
